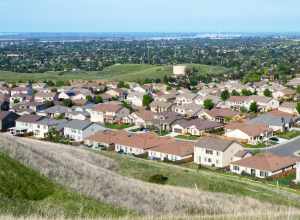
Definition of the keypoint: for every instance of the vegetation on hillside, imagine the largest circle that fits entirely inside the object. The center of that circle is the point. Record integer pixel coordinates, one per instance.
(24, 192)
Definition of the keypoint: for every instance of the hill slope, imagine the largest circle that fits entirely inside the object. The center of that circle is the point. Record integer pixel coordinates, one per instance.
(25, 192)
(99, 177)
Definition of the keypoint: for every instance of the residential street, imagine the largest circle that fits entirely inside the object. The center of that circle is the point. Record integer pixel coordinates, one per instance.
(286, 149)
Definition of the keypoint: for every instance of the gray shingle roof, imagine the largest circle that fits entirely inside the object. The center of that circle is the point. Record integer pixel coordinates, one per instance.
(214, 143)
(78, 124)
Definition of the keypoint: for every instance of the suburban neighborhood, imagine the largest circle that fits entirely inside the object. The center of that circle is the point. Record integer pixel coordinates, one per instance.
(230, 126)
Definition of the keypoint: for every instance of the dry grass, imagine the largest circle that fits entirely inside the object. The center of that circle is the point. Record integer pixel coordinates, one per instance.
(266, 216)
(94, 176)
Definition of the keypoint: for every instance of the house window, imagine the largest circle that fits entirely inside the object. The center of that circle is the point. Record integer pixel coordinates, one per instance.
(263, 173)
(236, 168)
(209, 152)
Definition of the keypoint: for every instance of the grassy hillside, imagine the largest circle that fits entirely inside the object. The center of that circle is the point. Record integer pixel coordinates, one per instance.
(204, 180)
(126, 72)
(25, 192)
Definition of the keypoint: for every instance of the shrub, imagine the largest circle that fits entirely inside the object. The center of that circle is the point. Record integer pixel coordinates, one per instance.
(158, 179)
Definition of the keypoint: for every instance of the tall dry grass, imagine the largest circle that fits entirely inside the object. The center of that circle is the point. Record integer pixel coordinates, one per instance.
(93, 175)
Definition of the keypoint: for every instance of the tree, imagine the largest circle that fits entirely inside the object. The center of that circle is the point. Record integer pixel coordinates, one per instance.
(253, 107)
(235, 93)
(147, 99)
(267, 93)
(225, 95)
(246, 92)
(298, 89)
(208, 104)
(67, 102)
(298, 107)
(89, 98)
(98, 99)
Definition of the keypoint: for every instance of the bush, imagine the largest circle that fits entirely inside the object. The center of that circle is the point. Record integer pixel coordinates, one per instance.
(158, 179)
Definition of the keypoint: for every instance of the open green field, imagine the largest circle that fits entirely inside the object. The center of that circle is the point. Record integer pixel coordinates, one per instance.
(24, 192)
(206, 180)
(125, 72)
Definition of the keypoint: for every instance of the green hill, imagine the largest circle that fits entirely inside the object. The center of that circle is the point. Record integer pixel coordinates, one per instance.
(126, 72)
(24, 192)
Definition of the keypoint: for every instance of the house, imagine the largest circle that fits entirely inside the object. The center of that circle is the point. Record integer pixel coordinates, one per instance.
(28, 107)
(66, 94)
(199, 100)
(185, 98)
(103, 139)
(142, 118)
(111, 112)
(55, 111)
(78, 130)
(297, 180)
(164, 121)
(25, 124)
(117, 93)
(294, 82)
(264, 103)
(16, 98)
(170, 97)
(81, 94)
(188, 110)
(288, 107)
(160, 106)
(237, 102)
(215, 152)
(137, 144)
(277, 120)
(284, 94)
(264, 165)
(7, 120)
(45, 97)
(135, 98)
(4, 90)
(248, 133)
(78, 113)
(42, 126)
(195, 127)
(26, 90)
(173, 151)
(220, 115)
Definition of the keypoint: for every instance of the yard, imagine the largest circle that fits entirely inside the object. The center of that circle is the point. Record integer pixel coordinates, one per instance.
(188, 137)
(118, 126)
(259, 145)
(289, 134)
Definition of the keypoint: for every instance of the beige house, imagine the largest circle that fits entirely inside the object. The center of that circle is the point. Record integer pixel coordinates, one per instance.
(215, 152)
(288, 107)
(264, 165)
(248, 133)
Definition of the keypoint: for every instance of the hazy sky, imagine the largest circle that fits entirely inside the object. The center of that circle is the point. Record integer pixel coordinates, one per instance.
(149, 15)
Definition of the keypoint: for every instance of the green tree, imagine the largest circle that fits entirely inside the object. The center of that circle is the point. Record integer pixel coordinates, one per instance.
(267, 93)
(67, 102)
(208, 104)
(98, 99)
(246, 92)
(89, 98)
(147, 99)
(298, 89)
(225, 95)
(298, 107)
(253, 107)
(235, 93)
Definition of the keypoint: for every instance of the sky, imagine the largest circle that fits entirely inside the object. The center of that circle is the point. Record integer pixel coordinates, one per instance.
(149, 16)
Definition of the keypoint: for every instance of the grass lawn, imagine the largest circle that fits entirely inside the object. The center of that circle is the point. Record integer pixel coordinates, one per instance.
(289, 134)
(203, 179)
(118, 126)
(25, 192)
(259, 145)
(188, 137)
(125, 72)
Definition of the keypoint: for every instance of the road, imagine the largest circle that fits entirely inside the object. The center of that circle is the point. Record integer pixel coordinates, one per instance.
(286, 149)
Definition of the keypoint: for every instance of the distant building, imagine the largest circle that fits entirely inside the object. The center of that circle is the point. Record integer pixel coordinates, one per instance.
(179, 70)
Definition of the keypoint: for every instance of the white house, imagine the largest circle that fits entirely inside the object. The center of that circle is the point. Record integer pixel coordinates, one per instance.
(215, 152)
(78, 130)
(135, 98)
